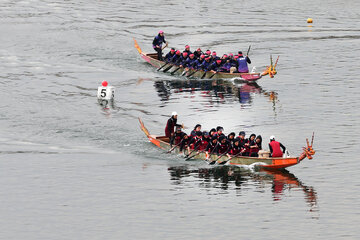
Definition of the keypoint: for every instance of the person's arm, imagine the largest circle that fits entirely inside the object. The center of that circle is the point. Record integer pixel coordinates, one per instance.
(270, 148)
(283, 147)
(248, 60)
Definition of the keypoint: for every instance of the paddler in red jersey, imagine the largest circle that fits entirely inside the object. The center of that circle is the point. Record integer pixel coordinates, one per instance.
(171, 124)
(177, 137)
(275, 146)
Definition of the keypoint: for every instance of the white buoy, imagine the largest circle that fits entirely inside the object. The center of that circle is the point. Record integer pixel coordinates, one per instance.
(106, 92)
(253, 70)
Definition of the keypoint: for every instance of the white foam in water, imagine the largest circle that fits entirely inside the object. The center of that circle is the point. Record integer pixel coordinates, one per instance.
(250, 167)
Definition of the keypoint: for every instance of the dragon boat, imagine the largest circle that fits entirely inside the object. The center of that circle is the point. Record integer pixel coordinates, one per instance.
(263, 161)
(152, 59)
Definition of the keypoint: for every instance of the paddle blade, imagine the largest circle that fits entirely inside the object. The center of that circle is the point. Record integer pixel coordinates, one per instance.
(137, 46)
(143, 128)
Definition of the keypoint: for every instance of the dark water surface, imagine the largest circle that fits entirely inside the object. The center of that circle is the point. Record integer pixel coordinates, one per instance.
(70, 169)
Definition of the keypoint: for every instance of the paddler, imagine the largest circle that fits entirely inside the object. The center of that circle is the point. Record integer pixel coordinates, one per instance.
(242, 62)
(205, 65)
(255, 146)
(170, 55)
(214, 56)
(198, 53)
(187, 50)
(176, 57)
(190, 61)
(275, 146)
(236, 148)
(196, 129)
(171, 124)
(195, 142)
(177, 137)
(157, 44)
(215, 66)
(181, 61)
(199, 62)
(224, 146)
(219, 132)
(212, 145)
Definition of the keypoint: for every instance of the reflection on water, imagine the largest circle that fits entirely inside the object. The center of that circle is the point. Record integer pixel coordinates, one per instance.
(226, 177)
(215, 91)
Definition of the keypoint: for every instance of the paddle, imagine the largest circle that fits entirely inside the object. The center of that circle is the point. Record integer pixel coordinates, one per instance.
(175, 70)
(248, 50)
(187, 159)
(186, 71)
(212, 151)
(162, 66)
(223, 162)
(213, 162)
(187, 156)
(193, 73)
(203, 75)
(175, 146)
(167, 69)
(213, 75)
(164, 46)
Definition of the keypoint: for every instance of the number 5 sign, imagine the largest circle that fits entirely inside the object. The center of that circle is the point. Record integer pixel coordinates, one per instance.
(106, 92)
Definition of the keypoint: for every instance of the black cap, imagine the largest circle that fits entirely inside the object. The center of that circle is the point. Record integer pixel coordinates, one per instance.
(199, 133)
(242, 133)
(218, 128)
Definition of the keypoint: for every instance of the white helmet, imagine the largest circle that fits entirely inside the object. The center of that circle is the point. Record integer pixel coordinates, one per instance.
(173, 113)
(272, 137)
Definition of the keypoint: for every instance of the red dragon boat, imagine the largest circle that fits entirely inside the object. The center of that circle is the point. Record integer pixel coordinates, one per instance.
(265, 162)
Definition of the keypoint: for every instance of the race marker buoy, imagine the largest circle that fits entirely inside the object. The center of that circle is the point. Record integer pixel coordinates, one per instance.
(105, 92)
(309, 20)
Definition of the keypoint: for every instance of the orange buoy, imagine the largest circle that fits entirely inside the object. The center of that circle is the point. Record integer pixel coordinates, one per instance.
(309, 20)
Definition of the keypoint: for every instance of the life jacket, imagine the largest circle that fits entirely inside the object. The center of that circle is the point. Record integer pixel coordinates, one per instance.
(198, 63)
(223, 147)
(174, 59)
(190, 62)
(254, 150)
(205, 65)
(276, 151)
(181, 61)
(235, 150)
(178, 137)
(243, 67)
(226, 67)
(203, 144)
(214, 66)
(211, 146)
(169, 56)
(195, 143)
